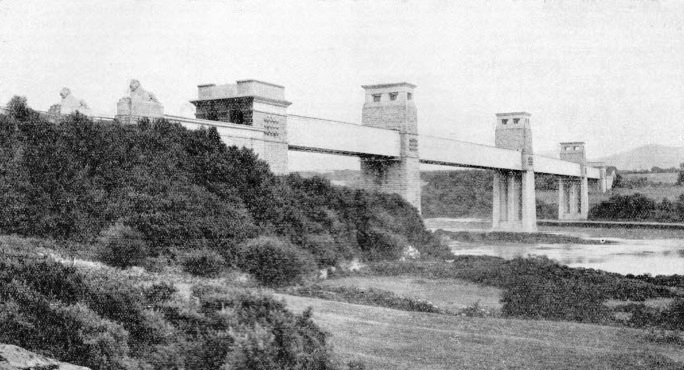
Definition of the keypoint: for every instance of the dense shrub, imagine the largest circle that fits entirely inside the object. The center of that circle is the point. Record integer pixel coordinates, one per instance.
(675, 314)
(104, 321)
(275, 262)
(159, 293)
(638, 207)
(624, 207)
(558, 299)
(383, 245)
(121, 246)
(276, 339)
(203, 262)
(675, 281)
(670, 317)
(326, 249)
(353, 221)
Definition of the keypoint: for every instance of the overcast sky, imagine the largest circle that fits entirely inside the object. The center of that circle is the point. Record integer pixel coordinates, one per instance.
(610, 73)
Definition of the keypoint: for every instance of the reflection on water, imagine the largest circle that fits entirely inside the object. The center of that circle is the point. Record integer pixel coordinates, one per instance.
(626, 256)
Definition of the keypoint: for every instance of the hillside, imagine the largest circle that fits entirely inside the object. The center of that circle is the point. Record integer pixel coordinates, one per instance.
(646, 157)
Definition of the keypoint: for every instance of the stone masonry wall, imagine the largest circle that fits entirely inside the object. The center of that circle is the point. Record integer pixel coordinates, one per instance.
(514, 139)
(275, 140)
(402, 117)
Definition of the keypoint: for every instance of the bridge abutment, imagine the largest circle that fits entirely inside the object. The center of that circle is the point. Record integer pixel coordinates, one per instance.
(391, 106)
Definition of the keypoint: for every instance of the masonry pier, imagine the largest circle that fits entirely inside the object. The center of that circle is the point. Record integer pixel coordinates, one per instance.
(391, 106)
(514, 202)
(573, 193)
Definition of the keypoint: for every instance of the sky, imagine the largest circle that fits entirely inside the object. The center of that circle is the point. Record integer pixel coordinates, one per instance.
(610, 73)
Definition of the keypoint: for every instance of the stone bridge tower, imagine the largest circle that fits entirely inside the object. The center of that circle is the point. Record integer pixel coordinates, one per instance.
(391, 106)
(573, 194)
(514, 202)
(259, 104)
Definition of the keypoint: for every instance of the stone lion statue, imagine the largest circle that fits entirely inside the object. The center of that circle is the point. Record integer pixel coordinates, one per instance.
(71, 103)
(140, 94)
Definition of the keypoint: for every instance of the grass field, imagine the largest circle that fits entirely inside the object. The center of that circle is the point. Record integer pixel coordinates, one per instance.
(391, 339)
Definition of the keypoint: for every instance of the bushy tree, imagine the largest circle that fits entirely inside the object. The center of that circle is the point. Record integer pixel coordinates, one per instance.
(680, 178)
(624, 207)
(203, 262)
(18, 109)
(275, 262)
(121, 246)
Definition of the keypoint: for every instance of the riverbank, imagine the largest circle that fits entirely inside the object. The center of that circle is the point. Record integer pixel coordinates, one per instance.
(485, 225)
(472, 236)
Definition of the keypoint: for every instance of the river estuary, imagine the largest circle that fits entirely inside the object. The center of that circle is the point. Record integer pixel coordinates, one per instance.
(636, 252)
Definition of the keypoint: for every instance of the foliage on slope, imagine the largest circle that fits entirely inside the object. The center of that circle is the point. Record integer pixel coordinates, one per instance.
(162, 191)
(104, 321)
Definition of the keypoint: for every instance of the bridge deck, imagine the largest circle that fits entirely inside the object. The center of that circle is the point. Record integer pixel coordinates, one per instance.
(326, 136)
(449, 152)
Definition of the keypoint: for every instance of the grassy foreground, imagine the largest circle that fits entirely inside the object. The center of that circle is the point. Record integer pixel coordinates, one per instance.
(391, 339)
(383, 338)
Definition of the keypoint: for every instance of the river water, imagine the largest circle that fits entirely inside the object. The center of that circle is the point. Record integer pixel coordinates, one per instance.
(635, 251)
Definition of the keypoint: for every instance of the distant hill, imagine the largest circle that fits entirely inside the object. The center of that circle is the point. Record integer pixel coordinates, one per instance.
(645, 157)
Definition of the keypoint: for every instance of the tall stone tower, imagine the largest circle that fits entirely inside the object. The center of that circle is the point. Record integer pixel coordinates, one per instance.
(391, 106)
(253, 103)
(573, 194)
(513, 131)
(514, 203)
